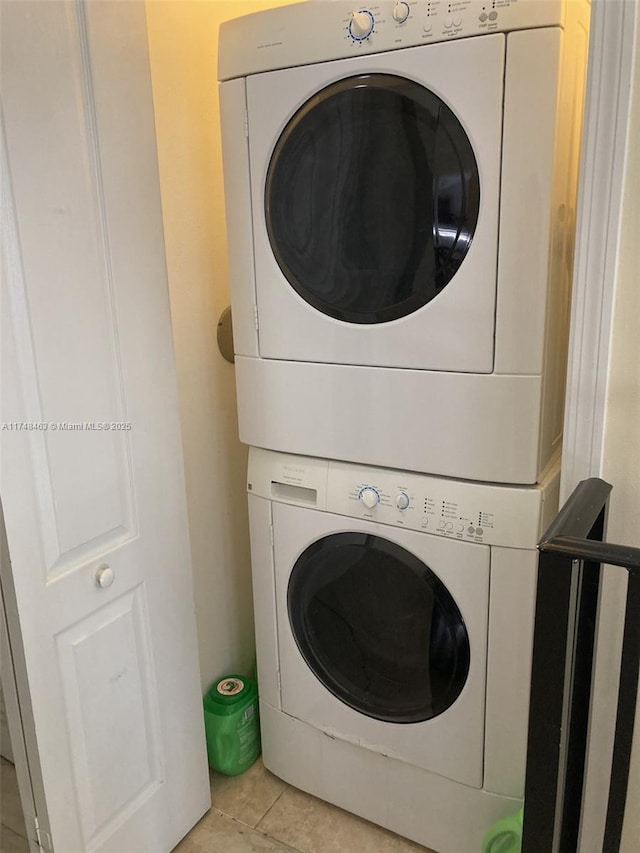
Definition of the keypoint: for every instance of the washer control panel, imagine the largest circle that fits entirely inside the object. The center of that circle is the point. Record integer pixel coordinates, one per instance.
(434, 19)
(473, 512)
(272, 39)
(510, 516)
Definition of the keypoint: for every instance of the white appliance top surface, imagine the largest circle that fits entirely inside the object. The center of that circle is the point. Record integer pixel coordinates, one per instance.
(304, 33)
(484, 513)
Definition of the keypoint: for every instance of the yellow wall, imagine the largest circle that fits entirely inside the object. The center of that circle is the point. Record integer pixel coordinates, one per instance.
(183, 48)
(183, 37)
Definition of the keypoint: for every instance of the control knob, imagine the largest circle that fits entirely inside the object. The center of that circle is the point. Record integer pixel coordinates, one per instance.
(402, 500)
(361, 25)
(369, 497)
(400, 12)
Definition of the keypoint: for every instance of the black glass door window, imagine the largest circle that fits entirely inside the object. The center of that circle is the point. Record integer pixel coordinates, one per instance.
(378, 628)
(372, 198)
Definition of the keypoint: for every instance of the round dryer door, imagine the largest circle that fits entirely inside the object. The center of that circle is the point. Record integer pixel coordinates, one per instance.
(372, 198)
(378, 628)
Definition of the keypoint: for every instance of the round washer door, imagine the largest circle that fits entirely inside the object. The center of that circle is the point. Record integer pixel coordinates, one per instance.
(378, 628)
(372, 198)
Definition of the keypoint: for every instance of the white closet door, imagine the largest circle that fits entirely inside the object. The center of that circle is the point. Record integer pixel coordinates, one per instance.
(91, 466)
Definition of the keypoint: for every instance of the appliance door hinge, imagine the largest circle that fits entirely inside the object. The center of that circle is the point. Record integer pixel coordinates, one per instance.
(255, 317)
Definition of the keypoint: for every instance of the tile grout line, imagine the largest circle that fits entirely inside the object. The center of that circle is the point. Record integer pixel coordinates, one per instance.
(22, 838)
(15, 831)
(277, 799)
(255, 827)
(4, 825)
(271, 837)
(217, 808)
(282, 844)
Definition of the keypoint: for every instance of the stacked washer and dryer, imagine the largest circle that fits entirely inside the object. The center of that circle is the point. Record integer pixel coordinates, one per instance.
(400, 184)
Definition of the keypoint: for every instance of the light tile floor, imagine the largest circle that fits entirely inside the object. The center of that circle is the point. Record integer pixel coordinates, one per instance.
(13, 834)
(252, 813)
(257, 812)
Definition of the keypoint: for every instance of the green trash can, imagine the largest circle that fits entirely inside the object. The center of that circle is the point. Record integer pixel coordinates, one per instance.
(505, 836)
(231, 724)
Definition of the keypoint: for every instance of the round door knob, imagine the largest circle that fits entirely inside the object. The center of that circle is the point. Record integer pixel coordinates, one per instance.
(400, 12)
(402, 501)
(361, 24)
(369, 497)
(105, 576)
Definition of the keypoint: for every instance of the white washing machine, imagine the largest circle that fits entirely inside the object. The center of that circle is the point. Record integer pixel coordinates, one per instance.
(400, 188)
(394, 626)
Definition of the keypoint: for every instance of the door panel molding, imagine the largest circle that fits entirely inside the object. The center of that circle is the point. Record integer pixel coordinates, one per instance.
(58, 217)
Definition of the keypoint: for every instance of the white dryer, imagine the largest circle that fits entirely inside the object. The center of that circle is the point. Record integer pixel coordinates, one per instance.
(400, 186)
(394, 626)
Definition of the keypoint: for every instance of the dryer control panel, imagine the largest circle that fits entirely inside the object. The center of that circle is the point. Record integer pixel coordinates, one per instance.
(310, 32)
(510, 516)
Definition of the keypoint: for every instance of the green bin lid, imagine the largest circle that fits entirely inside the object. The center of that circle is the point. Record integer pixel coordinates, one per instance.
(231, 690)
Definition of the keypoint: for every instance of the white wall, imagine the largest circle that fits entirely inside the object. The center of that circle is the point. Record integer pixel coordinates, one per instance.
(621, 456)
(183, 37)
